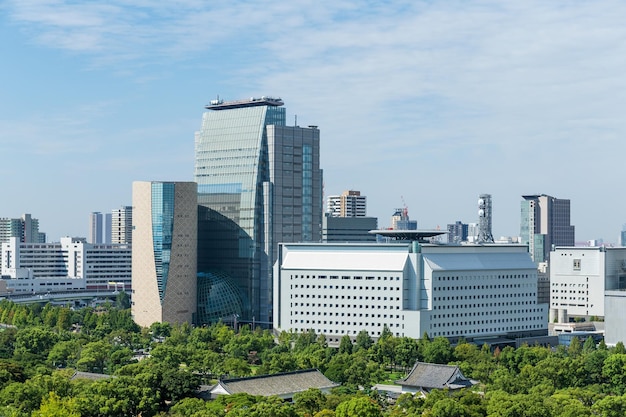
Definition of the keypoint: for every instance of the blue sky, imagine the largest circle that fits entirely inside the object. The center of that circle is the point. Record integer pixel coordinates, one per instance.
(430, 102)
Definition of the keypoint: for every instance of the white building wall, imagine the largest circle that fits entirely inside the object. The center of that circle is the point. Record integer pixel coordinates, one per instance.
(91, 266)
(451, 291)
(579, 277)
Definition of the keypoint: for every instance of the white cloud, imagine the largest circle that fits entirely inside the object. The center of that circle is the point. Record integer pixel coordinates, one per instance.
(436, 90)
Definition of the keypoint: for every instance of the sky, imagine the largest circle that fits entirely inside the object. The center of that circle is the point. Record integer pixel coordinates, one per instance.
(423, 104)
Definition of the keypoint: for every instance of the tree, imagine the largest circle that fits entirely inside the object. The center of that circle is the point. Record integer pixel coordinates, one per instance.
(64, 353)
(53, 406)
(448, 407)
(364, 340)
(406, 352)
(35, 340)
(575, 347)
(310, 401)
(438, 351)
(122, 300)
(589, 345)
(360, 406)
(94, 356)
(615, 370)
(345, 345)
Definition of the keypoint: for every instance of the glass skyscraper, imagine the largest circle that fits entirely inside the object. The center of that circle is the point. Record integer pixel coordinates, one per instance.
(259, 183)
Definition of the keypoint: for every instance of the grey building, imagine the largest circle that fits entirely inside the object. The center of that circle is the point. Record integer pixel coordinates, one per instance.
(614, 319)
(348, 229)
(457, 232)
(545, 222)
(259, 183)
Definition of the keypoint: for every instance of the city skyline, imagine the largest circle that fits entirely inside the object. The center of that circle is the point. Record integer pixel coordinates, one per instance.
(430, 104)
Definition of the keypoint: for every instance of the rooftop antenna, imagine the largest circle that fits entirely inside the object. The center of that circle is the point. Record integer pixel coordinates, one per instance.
(295, 123)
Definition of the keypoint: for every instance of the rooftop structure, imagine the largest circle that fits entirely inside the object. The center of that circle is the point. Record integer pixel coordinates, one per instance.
(238, 104)
(421, 236)
(283, 385)
(425, 377)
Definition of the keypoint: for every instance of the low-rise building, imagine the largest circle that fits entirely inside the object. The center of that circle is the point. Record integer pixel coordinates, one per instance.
(579, 277)
(71, 264)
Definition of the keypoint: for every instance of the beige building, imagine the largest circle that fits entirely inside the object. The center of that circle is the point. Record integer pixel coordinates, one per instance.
(164, 278)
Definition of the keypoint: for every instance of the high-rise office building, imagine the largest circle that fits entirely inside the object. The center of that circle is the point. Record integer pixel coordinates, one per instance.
(99, 228)
(545, 222)
(164, 251)
(349, 204)
(95, 234)
(122, 225)
(259, 183)
(25, 228)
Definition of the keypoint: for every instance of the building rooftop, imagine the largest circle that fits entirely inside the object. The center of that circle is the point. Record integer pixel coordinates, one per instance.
(430, 376)
(413, 235)
(277, 384)
(219, 104)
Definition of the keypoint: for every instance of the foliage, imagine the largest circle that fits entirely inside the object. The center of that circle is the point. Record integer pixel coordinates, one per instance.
(39, 355)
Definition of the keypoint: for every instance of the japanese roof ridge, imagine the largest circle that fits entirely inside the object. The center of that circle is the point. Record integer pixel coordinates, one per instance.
(249, 378)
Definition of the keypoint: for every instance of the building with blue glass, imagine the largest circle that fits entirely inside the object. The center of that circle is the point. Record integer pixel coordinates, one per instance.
(164, 252)
(259, 183)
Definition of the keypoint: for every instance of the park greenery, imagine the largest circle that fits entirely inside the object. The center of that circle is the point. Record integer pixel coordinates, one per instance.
(42, 346)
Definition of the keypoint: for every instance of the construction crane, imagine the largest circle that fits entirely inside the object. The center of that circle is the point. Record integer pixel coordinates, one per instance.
(405, 210)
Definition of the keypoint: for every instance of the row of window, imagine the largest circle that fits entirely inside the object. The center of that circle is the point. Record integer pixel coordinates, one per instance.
(384, 307)
(482, 277)
(479, 322)
(336, 339)
(486, 313)
(342, 287)
(458, 306)
(346, 323)
(483, 296)
(357, 277)
(481, 287)
(320, 313)
(345, 297)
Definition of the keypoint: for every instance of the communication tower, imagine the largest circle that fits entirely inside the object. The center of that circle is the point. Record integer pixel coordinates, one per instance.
(484, 219)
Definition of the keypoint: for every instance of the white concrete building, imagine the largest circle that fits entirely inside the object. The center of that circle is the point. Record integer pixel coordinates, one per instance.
(71, 264)
(122, 225)
(471, 291)
(579, 277)
(349, 204)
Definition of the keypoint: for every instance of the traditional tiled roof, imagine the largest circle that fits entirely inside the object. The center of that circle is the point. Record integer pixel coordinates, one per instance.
(429, 376)
(89, 375)
(277, 384)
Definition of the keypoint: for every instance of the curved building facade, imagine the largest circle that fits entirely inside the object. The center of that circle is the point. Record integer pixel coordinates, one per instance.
(164, 252)
(259, 183)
